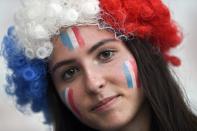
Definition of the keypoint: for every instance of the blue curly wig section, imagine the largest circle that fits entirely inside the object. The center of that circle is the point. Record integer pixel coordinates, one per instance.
(28, 80)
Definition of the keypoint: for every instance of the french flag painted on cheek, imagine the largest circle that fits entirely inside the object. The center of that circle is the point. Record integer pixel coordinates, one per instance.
(67, 97)
(130, 72)
(72, 38)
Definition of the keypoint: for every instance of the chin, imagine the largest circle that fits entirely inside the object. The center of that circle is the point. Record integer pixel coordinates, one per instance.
(115, 122)
(110, 126)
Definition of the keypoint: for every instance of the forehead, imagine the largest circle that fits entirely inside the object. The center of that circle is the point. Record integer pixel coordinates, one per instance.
(90, 35)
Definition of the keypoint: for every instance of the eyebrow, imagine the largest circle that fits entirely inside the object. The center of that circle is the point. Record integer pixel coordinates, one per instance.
(99, 44)
(91, 50)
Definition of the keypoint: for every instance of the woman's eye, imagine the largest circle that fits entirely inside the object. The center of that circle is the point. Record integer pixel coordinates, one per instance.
(70, 73)
(106, 55)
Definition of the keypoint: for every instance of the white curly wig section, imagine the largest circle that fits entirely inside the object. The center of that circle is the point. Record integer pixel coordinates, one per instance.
(38, 20)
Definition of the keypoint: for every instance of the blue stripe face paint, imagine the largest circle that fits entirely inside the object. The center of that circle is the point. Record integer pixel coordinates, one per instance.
(62, 95)
(66, 40)
(128, 76)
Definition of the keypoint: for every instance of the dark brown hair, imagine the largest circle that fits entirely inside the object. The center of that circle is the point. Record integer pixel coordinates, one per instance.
(169, 110)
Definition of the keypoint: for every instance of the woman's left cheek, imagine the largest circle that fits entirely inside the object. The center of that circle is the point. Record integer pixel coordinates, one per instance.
(67, 96)
(130, 72)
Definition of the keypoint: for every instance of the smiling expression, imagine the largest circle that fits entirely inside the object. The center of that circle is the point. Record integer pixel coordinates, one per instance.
(100, 76)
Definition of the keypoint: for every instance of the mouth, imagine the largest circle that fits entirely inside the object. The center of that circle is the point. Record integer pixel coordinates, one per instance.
(105, 104)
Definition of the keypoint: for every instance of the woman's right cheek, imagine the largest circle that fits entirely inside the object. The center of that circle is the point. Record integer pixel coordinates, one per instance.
(68, 97)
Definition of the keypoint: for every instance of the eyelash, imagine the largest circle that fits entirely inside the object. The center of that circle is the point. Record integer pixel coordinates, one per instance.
(66, 72)
(104, 60)
(76, 69)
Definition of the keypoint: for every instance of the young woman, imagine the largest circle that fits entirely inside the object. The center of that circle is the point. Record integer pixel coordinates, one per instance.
(97, 65)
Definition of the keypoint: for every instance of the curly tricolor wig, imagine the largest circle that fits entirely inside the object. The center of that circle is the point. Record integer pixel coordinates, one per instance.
(27, 44)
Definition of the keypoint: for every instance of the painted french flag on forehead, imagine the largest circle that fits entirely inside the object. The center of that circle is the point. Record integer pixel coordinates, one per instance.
(72, 38)
(68, 99)
(130, 72)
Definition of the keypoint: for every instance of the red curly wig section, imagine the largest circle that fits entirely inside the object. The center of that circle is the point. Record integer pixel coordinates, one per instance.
(145, 19)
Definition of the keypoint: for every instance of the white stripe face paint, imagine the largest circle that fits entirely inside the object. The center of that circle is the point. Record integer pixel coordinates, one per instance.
(73, 38)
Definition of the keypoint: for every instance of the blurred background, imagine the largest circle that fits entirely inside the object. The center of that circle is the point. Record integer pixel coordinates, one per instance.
(184, 12)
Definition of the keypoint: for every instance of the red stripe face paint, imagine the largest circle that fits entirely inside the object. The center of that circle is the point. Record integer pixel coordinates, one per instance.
(72, 103)
(78, 36)
(67, 97)
(72, 38)
(135, 70)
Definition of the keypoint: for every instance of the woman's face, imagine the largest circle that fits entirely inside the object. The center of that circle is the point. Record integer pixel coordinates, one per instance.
(96, 77)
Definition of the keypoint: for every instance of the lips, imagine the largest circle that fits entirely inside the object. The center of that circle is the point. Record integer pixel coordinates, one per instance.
(103, 103)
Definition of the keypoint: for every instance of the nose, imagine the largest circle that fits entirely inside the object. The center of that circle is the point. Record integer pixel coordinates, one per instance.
(94, 80)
